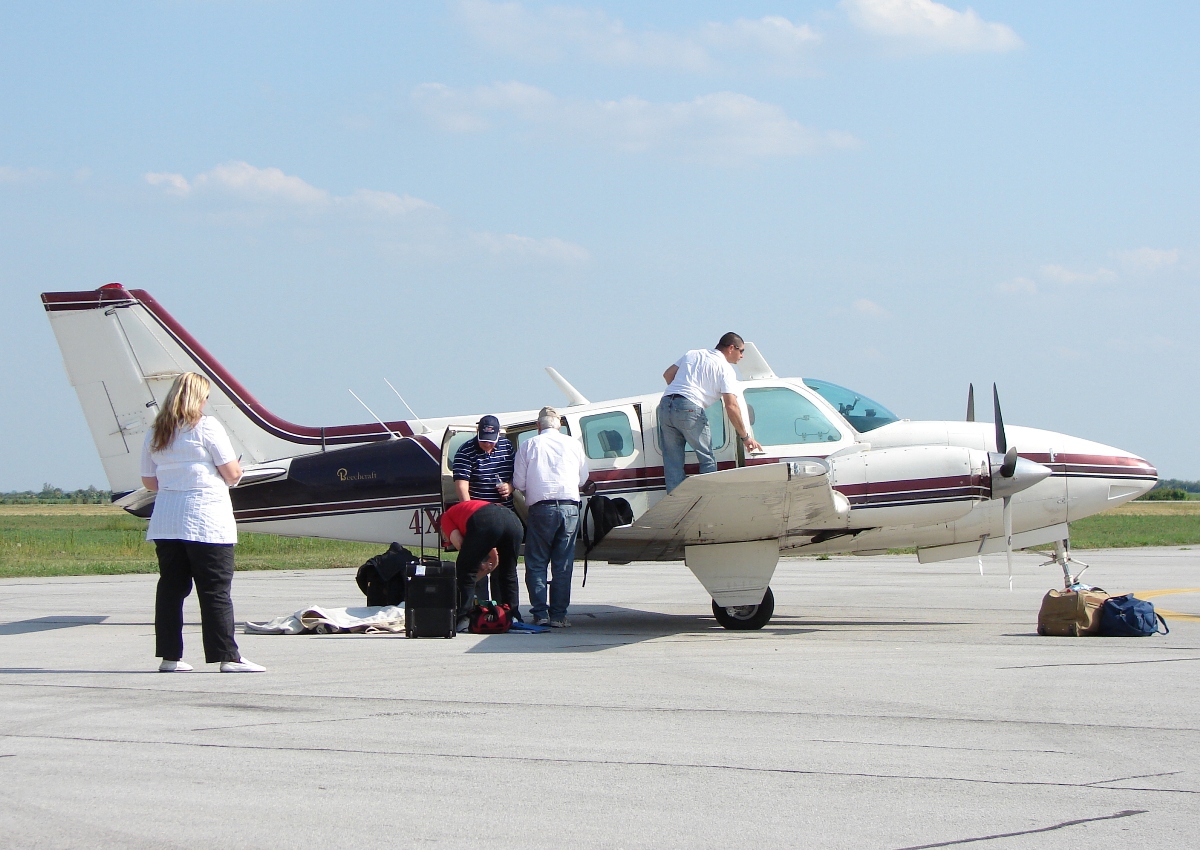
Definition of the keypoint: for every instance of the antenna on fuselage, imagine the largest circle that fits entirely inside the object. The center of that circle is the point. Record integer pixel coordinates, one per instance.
(392, 435)
(424, 427)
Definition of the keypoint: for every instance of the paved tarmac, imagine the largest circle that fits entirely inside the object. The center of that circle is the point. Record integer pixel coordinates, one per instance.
(887, 705)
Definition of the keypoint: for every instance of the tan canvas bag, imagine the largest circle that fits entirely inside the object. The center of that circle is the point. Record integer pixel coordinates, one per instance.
(1071, 613)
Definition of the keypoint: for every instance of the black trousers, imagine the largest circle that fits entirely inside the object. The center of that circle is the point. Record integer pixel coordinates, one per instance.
(493, 527)
(210, 566)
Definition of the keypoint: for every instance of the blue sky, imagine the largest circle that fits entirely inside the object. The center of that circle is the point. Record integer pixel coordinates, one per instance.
(896, 195)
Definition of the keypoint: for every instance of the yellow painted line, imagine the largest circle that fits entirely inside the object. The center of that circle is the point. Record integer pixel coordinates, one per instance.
(1175, 615)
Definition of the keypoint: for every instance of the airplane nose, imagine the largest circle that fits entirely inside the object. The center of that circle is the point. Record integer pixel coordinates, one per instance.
(1024, 475)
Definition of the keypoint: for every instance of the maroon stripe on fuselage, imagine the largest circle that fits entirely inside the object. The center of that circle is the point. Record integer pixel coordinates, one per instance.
(338, 508)
(247, 403)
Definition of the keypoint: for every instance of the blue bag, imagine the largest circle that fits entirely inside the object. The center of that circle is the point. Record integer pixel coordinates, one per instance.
(1127, 616)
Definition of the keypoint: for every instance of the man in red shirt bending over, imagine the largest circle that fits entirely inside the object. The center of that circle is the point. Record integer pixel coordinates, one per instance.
(487, 536)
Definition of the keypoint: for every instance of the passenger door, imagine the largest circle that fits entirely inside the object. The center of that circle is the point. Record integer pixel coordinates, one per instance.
(452, 441)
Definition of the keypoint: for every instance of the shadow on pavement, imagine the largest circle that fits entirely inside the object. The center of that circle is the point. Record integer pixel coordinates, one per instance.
(43, 624)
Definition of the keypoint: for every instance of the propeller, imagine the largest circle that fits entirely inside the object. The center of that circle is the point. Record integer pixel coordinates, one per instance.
(1010, 475)
(970, 402)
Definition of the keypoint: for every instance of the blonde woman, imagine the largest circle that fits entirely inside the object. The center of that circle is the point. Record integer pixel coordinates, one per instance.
(188, 459)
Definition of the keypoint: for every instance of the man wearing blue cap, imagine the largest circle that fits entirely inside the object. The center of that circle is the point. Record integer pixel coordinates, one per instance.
(483, 470)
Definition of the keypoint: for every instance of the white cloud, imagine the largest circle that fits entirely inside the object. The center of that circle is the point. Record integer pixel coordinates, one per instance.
(175, 184)
(245, 182)
(553, 33)
(1018, 284)
(924, 25)
(8, 174)
(511, 244)
(384, 202)
(1062, 274)
(242, 180)
(407, 227)
(869, 308)
(1148, 259)
(723, 127)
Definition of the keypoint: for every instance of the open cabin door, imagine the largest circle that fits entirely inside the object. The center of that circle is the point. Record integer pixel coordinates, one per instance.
(452, 441)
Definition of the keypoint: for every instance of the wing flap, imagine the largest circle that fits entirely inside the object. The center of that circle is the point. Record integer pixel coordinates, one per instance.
(763, 502)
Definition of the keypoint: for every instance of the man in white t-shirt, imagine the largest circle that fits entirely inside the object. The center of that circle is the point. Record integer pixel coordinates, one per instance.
(694, 382)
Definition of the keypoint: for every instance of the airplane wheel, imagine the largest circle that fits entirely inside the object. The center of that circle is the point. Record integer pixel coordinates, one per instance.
(746, 617)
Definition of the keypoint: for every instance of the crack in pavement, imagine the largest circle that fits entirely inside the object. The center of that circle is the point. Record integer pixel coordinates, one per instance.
(1128, 813)
(785, 771)
(649, 709)
(1100, 663)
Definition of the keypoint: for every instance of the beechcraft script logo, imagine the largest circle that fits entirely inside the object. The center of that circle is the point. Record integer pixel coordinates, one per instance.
(344, 475)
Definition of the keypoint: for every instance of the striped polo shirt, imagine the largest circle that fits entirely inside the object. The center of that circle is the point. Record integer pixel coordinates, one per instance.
(484, 471)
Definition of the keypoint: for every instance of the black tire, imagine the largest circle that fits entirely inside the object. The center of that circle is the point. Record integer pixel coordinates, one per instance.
(746, 617)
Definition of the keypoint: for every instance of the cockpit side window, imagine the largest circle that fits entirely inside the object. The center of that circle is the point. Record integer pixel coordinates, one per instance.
(862, 413)
(781, 417)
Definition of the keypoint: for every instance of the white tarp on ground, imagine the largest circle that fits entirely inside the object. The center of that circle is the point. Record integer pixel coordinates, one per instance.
(364, 620)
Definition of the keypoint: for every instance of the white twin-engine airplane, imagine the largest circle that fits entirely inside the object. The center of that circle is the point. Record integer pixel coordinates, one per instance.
(839, 474)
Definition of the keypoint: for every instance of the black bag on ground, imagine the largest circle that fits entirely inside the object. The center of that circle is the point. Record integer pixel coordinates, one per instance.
(382, 577)
(1128, 616)
(430, 599)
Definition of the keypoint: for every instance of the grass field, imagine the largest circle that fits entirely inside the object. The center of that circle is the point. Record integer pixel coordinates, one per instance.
(60, 540)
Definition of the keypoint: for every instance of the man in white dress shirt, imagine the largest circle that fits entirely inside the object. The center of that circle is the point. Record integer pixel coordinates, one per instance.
(549, 469)
(694, 381)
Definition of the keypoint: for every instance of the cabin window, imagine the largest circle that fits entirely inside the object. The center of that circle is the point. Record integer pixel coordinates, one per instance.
(716, 428)
(607, 435)
(781, 417)
(862, 413)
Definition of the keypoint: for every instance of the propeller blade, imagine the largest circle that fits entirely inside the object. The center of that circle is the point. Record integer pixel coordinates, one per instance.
(971, 403)
(1001, 440)
(1008, 537)
(1009, 467)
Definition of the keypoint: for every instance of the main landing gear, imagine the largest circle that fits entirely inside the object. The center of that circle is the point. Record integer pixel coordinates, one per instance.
(746, 617)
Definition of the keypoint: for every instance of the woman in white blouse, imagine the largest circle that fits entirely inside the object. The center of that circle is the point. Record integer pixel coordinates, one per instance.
(188, 459)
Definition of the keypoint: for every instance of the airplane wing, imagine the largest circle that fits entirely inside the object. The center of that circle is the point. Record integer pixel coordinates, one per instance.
(765, 502)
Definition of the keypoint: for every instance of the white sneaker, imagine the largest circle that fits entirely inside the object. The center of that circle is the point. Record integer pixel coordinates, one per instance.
(242, 666)
(564, 623)
(174, 667)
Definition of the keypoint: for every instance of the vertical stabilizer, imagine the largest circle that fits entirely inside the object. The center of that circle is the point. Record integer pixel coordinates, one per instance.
(122, 351)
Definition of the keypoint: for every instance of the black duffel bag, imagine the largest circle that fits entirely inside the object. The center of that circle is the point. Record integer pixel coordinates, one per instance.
(382, 577)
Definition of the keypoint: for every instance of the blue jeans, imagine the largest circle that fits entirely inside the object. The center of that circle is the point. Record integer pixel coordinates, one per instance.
(550, 541)
(680, 421)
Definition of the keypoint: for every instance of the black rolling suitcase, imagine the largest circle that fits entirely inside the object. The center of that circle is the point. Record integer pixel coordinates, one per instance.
(430, 599)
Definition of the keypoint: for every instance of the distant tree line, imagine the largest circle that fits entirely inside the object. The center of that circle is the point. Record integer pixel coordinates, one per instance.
(51, 495)
(1172, 490)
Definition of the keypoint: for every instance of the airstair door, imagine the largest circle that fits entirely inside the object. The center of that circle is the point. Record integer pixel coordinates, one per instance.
(454, 439)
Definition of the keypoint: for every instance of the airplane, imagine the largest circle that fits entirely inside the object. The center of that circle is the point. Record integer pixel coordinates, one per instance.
(839, 473)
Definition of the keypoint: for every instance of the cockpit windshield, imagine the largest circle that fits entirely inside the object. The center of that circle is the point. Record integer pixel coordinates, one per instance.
(862, 413)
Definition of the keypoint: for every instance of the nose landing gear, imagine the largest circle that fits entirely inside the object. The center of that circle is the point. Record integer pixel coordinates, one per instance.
(746, 617)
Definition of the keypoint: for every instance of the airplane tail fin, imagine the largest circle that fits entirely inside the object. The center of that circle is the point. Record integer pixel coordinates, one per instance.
(122, 351)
